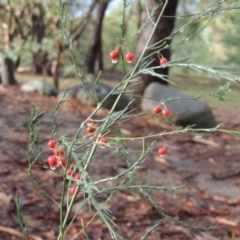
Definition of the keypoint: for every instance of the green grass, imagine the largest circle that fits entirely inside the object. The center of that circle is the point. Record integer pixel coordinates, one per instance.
(63, 82)
(193, 86)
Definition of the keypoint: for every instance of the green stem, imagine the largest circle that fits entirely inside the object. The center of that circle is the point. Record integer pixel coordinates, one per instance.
(69, 44)
(173, 132)
(122, 33)
(76, 192)
(126, 188)
(64, 221)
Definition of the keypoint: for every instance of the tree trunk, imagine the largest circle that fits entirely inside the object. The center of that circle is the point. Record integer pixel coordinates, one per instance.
(163, 30)
(94, 54)
(6, 71)
(40, 58)
(56, 64)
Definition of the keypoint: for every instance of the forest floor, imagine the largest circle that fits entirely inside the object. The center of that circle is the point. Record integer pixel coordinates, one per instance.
(208, 167)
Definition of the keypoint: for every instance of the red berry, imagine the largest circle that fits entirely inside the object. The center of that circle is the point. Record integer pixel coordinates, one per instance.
(77, 176)
(52, 161)
(114, 56)
(69, 171)
(165, 112)
(157, 109)
(163, 61)
(90, 129)
(129, 57)
(92, 137)
(103, 142)
(62, 161)
(58, 152)
(72, 190)
(89, 122)
(52, 143)
(162, 151)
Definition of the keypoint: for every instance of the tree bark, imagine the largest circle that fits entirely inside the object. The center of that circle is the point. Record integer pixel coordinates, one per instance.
(55, 64)
(6, 71)
(94, 54)
(164, 29)
(40, 58)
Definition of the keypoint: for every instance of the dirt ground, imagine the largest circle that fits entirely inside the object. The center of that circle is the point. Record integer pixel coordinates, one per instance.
(208, 167)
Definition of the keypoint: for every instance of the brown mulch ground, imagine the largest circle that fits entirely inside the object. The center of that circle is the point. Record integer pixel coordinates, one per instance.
(208, 168)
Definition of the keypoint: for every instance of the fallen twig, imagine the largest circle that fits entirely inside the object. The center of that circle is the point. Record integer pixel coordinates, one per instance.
(206, 141)
(231, 174)
(18, 234)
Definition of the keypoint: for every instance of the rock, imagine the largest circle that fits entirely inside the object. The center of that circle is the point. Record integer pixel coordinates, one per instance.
(182, 112)
(6, 70)
(223, 188)
(102, 90)
(72, 92)
(40, 87)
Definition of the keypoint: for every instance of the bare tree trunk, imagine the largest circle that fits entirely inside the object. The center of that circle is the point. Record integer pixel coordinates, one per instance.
(17, 63)
(40, 58)
(164, 29)
(5, 37)
(56, 64)
(94, 54)
(6, 71)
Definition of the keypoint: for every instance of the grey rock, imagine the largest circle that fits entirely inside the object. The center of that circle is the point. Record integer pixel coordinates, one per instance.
(223, 188)
(40, 87)
(182, 112)
(102, 90)
(71, 92)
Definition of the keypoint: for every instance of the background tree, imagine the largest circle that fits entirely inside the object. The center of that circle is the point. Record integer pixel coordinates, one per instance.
(199, 34)
(6, 70)
(231, 37)
(164, 29)
(30, 33)
(94, 57)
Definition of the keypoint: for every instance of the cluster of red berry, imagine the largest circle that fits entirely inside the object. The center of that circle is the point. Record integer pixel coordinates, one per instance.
(91, 129)
(114, 55)
(58, 158)
(165, 112)
(77, 176)
(162, 151)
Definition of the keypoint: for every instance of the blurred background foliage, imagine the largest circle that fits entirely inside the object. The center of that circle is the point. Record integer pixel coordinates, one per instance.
(30, 33)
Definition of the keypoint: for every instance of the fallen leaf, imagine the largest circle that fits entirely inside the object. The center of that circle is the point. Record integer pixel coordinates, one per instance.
(161, 160)
(5, 198)
(223, 221)
(226, 222)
